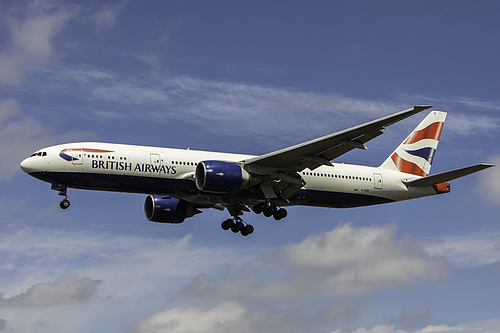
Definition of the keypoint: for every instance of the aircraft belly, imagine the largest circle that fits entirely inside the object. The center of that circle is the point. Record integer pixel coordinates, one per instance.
(186, 189)
(117, 183)
(344, 200)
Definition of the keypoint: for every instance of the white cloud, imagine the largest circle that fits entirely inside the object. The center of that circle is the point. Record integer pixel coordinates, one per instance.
(215, 107)
(63, 290)
(272, 114)
(125, 277)
(475, 103)
(226, 317)
(33, 29)
(20, 135)
(375, 329)
(490, 181)
(344, 261)
(231, 317)
(479, 248)
(136, 276)
(467, 124)
(106, 16)
(487, 326)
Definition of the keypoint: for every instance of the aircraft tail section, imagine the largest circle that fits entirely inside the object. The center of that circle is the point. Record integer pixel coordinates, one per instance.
(415, 154)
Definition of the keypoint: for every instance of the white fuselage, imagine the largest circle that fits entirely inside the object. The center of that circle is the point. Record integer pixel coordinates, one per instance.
(167, 171)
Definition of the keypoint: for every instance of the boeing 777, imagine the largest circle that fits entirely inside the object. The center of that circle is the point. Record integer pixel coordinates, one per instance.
(181, 182)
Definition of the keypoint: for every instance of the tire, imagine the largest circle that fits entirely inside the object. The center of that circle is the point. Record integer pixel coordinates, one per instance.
(280, 214)
(258, 208)
(237, 227)
(227, 224)
(64, 204)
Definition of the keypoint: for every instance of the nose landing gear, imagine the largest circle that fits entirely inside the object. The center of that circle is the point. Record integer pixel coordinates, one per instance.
(63, 191)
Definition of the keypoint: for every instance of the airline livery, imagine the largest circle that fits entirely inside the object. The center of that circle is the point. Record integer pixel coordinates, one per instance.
(181, 182)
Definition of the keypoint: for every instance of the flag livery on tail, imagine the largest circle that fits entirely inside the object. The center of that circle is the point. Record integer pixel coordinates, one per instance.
(415, 154)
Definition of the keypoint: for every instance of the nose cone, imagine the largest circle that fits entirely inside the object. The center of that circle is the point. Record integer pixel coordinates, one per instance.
(25, 165)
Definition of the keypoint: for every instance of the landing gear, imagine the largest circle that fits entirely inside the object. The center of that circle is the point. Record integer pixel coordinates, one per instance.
(270, 209)
(63, 191)
(237, 225)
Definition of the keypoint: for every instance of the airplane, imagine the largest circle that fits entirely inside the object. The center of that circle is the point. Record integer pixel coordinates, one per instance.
(180, 182)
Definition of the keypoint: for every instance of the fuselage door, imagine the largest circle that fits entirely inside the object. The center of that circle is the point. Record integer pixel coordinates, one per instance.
(378, 183)
(76, 156)
(155, 160)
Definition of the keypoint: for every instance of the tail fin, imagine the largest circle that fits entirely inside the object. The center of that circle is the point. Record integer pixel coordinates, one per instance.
(415, 154)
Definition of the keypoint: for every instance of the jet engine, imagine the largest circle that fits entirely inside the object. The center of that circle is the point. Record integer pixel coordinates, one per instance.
(165, 209)
(220, 177)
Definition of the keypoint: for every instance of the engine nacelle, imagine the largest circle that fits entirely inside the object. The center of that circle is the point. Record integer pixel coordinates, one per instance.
(165, 209)
(220, 177)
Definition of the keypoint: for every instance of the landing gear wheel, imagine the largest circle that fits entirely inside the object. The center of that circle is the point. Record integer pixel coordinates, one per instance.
(227, 224)
(247, 230)
(280, 214)
(237, 227)
(270, 211)
(259, 208)
(64, 204)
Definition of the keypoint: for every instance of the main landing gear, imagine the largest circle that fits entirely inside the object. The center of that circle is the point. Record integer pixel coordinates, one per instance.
(270, 209)
(237, 225)
(63, 191)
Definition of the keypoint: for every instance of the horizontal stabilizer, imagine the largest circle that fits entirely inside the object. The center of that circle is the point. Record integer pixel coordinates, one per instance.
(447, 176)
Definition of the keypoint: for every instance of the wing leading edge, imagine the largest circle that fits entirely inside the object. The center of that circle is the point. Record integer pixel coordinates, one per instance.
(321, 151)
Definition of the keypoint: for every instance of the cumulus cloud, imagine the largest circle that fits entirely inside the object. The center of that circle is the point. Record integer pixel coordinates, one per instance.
(63, 290)
(225, 317)
(344, 261)
(97, 281)
(232, 317)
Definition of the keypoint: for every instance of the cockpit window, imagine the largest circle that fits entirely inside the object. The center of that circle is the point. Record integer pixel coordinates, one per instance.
(40, 153)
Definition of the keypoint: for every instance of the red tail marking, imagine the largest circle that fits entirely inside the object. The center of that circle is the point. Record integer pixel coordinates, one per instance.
(433, 131)
(406, 166)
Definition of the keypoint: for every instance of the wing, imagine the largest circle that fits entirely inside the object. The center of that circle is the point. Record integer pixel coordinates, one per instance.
(320, 151)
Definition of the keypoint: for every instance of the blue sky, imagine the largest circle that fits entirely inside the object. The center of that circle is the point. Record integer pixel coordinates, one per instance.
(248, 77)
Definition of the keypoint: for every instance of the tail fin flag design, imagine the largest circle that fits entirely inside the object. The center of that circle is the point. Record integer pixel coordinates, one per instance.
(415, 154)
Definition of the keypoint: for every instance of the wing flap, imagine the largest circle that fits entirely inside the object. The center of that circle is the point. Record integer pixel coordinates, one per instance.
(447, 176)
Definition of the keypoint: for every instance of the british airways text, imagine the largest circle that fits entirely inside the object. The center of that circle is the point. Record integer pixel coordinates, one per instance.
(127, 166)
